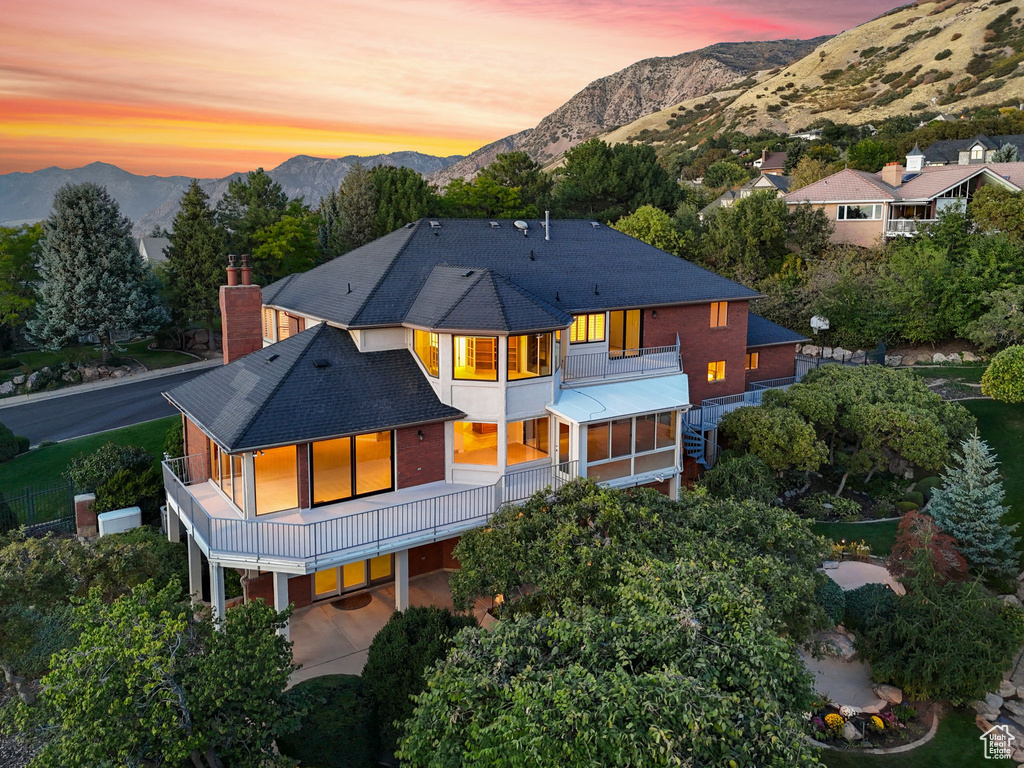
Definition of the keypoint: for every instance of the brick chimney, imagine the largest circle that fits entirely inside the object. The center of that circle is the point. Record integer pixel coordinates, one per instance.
(892, 174)
(241, 312)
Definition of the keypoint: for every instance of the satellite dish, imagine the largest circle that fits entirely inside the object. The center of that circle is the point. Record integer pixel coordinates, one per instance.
(520, 224)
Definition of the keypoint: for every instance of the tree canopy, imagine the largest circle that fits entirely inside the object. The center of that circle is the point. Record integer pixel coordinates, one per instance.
(195, 259)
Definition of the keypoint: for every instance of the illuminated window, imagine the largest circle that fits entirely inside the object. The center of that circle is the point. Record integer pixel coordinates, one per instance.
(623, 331)
(529, 356)
(350, 466)
(475, 358)
(527, 440)
(476, 443)
(426, 346)
(563, 441)
(752, 360)
(285, 327)
(716, 370)
(719, 314)
(277, 484)
(587, 328)
(977, 153)
(268, 324)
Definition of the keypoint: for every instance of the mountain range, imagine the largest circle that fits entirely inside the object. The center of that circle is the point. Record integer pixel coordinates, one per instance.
(151, 201)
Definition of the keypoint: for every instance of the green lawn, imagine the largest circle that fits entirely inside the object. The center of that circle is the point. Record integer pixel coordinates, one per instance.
(44, 467)
(956, 745)
(879, 536)
(970, 373)
(86, 353)
(154, 358)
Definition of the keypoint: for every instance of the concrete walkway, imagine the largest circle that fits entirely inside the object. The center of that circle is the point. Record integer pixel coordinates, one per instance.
(330, 641)
(843, 682)
(851, 574)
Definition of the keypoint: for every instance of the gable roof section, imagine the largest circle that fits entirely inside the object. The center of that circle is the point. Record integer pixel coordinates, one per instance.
(468, 299)
(762, 332)
(155, 248)
(581, 268)
(847, 185)
(774, 160)
(948, 150)
(933, 181)
(312, 386)
(780, 183)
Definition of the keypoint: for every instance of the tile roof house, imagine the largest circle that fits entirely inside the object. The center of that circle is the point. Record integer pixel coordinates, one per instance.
(771, 182)
(374, 408)
(867, 208)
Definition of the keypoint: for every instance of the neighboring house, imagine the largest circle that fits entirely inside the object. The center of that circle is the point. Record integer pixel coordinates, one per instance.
(154, 249)
(374, 408)
(771, 162)
(869, 207)
(942, 117)
(812, 135)
(779, 184)
(976, 151)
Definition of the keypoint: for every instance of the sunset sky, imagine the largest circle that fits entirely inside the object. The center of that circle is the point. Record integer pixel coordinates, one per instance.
(207, 87)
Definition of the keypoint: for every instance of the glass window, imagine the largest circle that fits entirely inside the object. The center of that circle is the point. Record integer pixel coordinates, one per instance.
(527, 440)
(224, 473)
(215, 462)
(331, 470)
(752, 360)
(587, 328)
(716, 370)
(236, 480)
(380, 567)
(563, 441)
(475, 358)
(373, 462)
(623, 330)
(719, 314)
(643, 439)
(598, 446)
(666, 434)
(268, 324)
(277, 485)
(860, 212)
(622, 437)
(476, 443)
(529, 356)
(284, 326)
(426, 345)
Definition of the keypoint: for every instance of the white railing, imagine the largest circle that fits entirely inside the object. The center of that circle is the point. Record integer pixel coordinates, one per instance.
(906, 226)
(370, 531)
(626, 362)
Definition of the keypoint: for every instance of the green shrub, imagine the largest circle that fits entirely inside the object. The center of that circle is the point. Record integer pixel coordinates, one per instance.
(23, 443)
(867, 606)
(927, 485)
(140, 554)
(8, 444)
(831, 598)
(944, 54)
(824, 506)
(743, 477)
(890, 76)
(87, 473)
(906, 506)
(914, 496)
(7, 363)
(1004, 378)
(411, 641)
(905, 713)
(174, 442)
(8, 520)
(132, 488)
(339, 729)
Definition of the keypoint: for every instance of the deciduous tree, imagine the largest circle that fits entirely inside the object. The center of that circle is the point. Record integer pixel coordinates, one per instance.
(1004, 378)
(654, 227)
(19, 250)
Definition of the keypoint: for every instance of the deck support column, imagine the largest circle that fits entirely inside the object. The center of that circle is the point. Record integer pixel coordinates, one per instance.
(281, 600)
(173, 525)
(217, 591)
(402, 580)
(195, 572)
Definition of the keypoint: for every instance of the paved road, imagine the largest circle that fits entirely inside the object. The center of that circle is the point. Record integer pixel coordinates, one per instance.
(93, 411)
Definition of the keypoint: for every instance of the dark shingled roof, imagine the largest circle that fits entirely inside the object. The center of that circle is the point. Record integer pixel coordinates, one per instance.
(762, 332)
(581, 268)
(466, 298)
(948, 150)
(312, 386)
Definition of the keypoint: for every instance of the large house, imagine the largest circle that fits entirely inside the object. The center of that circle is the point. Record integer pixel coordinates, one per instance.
(374, 408)
(867, 208)
(765, 182)
(981, 149)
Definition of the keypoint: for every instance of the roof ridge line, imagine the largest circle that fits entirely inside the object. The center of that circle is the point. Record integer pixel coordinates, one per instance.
(387, 271)
(463, 295)
(501, 304)
(284, 377)
(530, 295)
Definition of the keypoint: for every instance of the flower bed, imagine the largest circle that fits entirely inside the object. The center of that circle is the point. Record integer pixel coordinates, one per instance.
(845, 727)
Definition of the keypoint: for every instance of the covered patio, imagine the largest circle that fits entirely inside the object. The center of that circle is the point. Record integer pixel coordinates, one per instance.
(331, 641)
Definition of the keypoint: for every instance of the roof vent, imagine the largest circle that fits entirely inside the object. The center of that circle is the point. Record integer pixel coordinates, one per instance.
(495, 225)
(467, 273)
(520, 224)
(434, 224)
(594, 224)
(321, 363)
(410, 225)
(272, 357)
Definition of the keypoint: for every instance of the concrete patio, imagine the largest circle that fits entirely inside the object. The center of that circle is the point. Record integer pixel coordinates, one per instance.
(330, 641)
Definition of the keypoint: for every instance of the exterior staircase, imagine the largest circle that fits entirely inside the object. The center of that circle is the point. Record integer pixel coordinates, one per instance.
(693, 444)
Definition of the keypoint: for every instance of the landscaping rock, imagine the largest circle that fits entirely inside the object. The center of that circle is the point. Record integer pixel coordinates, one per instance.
(894, 361)
(878, 706)
(842, 355)
(889, 693)
(32, 379)
(859, 356)
(1018, 756)
(970, 357)
(20, 379)
(938, 357)
(1014, 708)
(837, 645)
(826, 351)
(1011, 600)
(7, 388)
(852, 732)
(1007, 690)
(89, 373)
(811, 351)
(1020, 691)
(119, 373)
(989, 708)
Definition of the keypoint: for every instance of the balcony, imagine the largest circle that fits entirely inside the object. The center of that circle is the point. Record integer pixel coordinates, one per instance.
(307, 540)
(906, 227)
(625, 363)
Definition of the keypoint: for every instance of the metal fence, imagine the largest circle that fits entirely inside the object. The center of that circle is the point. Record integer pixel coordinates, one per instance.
(628, 362)
(44, 510)
(376, 529)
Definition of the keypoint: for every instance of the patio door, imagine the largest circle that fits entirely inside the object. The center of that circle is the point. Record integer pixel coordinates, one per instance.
(352, 577)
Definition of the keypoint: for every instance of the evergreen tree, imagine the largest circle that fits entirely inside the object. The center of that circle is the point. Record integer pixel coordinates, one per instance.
(195, 259)
(402, 196)
(251, 203)
(1005, 154)
(357, 208)
(517, 169)
(92, 279)
(969, 507)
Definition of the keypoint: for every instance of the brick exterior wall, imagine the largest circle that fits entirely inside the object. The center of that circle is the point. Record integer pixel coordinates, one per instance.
(241, 319)
(701, 344)
(419, 462)
(196, 442)
(300, 589)
(775, 362)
